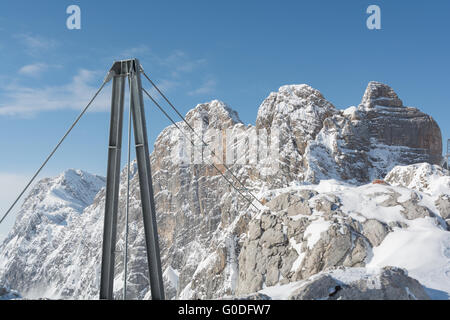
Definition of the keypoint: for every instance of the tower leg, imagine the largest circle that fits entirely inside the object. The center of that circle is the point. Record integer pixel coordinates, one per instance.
(145, 181)
(112, 188)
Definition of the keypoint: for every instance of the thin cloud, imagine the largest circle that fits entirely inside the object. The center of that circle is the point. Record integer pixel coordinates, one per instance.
(35, 44)
(175, 64)
(27, 101)
(33, 69)
(135, 52)
(207, 87)
(179, 62)
(164, 85)
(190, 66)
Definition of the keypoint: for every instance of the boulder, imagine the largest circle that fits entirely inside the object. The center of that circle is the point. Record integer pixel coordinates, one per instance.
(390, 284)
(375, 231)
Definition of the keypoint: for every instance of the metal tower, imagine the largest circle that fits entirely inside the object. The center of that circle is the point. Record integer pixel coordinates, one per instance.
(120, 71)
(447, 156)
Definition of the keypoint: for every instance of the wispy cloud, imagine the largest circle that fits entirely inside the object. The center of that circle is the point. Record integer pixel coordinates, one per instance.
(135, 52)
(33, 69)
(207, 87)
(35, 44)
(179, 62)
(177, 69)
(26, 101)
(164, 85)
(176, 63)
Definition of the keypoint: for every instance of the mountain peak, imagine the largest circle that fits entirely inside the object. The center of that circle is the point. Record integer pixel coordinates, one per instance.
(213, 114)
(73, 189)
(380, 94)
(294, 103)
(321, 211)
(300, 90)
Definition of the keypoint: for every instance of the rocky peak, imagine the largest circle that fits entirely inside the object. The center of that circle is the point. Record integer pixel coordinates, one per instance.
(396, 125)
(214, 114)
(295, 114)
(293, 103)
(56, 201)
(212, 242)
(380, 94)
(74, 188)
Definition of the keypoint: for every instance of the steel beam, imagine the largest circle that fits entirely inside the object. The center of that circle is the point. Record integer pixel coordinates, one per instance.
(120, 70)
(112, 187)
(145, 181)
(448, 154)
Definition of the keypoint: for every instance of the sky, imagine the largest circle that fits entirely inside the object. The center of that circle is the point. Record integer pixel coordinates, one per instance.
(196, 51)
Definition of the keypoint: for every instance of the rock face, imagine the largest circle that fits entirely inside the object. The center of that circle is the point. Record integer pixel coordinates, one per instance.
(365, 143)
(389, 284)
(213, 242)
(308, 230)
(430, 179)
(392, 124)
(41, 245)
(297, 112)
(7, 294)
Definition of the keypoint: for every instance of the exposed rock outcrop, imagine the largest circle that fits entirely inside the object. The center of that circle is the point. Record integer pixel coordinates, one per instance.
(7, 294)
(389, 284)
(213, 242)
(297, 113)
(364, 143)
(41, 248)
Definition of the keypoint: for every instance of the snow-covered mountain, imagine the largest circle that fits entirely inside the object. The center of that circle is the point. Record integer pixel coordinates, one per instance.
(324, 224)
(38, 247)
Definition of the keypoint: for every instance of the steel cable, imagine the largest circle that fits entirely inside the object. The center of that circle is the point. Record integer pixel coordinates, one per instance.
(192, 142)
(192, 129)
(55, 148)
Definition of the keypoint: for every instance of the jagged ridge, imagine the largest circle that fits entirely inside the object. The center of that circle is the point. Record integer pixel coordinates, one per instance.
(207, 231)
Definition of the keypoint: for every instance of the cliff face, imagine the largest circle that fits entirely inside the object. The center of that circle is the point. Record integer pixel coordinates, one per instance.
(364, 143)
(392, 124)
(213, 243)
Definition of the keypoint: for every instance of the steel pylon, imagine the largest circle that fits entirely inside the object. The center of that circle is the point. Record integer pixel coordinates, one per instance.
(120, 71)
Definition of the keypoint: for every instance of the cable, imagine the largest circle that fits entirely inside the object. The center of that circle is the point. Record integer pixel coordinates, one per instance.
(165, 98)
(181, 116)
(56, 148)
(164, 112)
(211, 164)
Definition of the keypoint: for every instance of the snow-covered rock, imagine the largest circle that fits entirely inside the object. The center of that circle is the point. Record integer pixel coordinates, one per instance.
(214, 243)
(364, 143)
(345, 225)
(431, 179)
(34, 258)
(297, 113)
(352, 284)
(7, 294)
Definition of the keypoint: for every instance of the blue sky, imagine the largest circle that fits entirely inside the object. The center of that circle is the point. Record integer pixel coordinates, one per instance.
(234, 51)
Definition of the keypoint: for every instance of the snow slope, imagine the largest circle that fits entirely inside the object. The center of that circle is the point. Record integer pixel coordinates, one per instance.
(32, 254)
(420, 245)
(213, 243)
